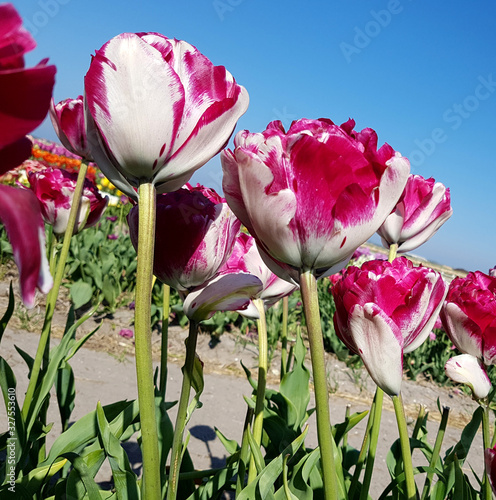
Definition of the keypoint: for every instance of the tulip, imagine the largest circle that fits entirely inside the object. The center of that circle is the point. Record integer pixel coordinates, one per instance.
(26, 92)
(157, 110)
(24, 102)
(246, 258)
(310, 196)
(385, 310)
(469, 315)
(20, 213)
(204, 230)
(466, 369)
(422, 209)
(54, 189)
(68, 121)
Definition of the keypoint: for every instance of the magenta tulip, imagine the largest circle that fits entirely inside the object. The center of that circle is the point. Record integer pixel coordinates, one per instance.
(20, 213)
(310, 196)
(245, 257)
(68, 121)
(157, 110)
(26, 92)
(467, 369)
(54, 189)
(194, 237)
(422, 209)
(469, 315)
(384, 310)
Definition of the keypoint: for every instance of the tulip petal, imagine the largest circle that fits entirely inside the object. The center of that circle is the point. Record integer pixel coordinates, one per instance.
(15, 40)
(123, 75)
(466, 369)
(227, 292)
(24, 101)
(464, 332)
(20, 213)
(380, 345)
(14, 154)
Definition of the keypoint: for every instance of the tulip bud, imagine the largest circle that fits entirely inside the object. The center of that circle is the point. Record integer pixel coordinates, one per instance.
(68, 121)
(466, 369)
(54, 189)
(422, 209)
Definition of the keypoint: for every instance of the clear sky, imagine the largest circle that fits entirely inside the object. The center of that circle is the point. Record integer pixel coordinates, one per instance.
(422, 74)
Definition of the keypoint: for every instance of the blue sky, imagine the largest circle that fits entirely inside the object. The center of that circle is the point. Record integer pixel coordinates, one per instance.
(422, 74)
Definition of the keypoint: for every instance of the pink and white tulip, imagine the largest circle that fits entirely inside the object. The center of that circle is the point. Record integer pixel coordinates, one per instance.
(384, 310)
(25, 92)
(54, 189)
(422, 209)
(469, 315)
(194, 236)
(310, 196)
(68, 121)
(467, 369)
(20, 213)
(157, 110)
(245, 257)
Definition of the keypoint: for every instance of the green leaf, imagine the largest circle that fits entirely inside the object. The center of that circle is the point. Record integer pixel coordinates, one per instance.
(198, 384)
(84, 471)
(8, 313)
(462, 448)
(261, 487)
(81, 293)
(66, 393)
(27, 358)
(340, 430)
(125, 479)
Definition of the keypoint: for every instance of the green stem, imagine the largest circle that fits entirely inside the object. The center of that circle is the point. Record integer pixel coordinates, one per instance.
(182, 411)
(244, 454)
(363, 451)
(143, 342)
(405, 447)
(261, 384)
(284, 336)
(54, 292)
(165, 338)
(435, 453)
(393, 249)
(419, 422)
(347, 412)
(486, 438)
(374, 438)
(308, 286)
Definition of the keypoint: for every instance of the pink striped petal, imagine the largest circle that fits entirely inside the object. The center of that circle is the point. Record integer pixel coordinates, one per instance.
(20, 213)
(380, 345)
(228, 292)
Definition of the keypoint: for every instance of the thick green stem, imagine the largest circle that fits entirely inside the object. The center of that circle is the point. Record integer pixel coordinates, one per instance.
(435, 453)
(393, 249)
(261, 384)
(405, 448)
(54, 292)
(486, 438)
(182, 411)
(308, 287)
(374, 438)
(165, 338)
(143, 342)
(284, 336)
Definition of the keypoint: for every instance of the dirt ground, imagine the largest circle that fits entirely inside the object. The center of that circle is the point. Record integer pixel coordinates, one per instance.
(104, 371)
